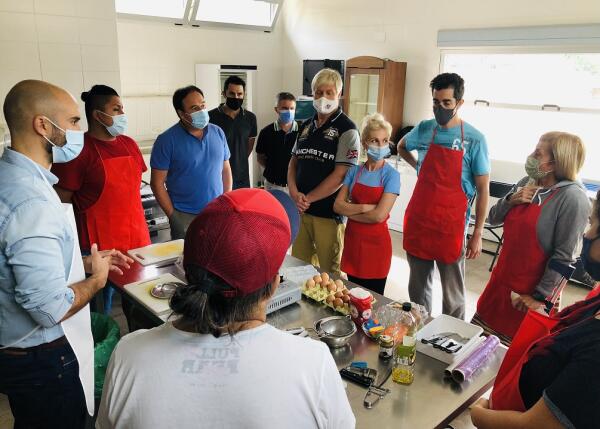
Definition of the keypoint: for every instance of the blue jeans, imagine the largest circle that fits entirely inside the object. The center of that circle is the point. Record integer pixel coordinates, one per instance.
(43, 388)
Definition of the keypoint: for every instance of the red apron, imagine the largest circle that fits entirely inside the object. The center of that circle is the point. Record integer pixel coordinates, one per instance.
(434, 222)
(367, 246)
(506, 394)
(520, 267)
(116, 220)
(594, 292)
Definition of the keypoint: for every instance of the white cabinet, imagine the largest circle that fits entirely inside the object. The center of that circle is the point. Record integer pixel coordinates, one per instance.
(408, 179)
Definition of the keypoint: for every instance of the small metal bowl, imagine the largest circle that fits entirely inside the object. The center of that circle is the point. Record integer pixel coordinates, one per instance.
(335, 331)
(164, 290)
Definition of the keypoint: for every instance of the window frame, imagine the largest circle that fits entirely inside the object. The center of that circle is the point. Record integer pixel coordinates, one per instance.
(212, 24)
(189, 18)
(482, 50)
(178, 21)
(521, 50)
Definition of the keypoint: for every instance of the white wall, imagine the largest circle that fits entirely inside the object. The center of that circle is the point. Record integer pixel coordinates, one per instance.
(157, 58)
(407, 31)
(71, 43)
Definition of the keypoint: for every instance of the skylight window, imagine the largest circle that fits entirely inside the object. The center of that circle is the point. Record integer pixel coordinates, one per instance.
(251, 14)
(242, 12)
(153, 8)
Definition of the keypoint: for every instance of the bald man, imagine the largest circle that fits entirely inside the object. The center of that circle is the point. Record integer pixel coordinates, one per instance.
(45, 349)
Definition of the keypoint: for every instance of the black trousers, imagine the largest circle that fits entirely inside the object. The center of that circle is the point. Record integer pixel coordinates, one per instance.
(43, 388)
(376, 285)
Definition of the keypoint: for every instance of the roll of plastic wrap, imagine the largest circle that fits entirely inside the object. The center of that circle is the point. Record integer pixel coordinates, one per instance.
(476, 359)
(465, 355)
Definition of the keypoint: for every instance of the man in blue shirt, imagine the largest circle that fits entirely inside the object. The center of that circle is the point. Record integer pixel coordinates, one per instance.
(39, 370)
(439, 212)
(190, 162)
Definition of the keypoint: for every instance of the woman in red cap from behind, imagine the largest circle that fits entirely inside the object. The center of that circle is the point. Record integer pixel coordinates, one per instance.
(219, 364)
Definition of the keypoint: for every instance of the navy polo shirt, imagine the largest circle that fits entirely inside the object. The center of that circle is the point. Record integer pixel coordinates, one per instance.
(195, 166)
(318, 150)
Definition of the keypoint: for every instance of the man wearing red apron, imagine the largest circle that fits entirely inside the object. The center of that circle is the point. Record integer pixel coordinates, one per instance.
(103, 183)
(367, 196)
(453, 169)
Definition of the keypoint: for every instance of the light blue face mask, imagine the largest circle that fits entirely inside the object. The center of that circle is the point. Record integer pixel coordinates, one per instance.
(199, 119)
(286, 116)
(70, 150)
(377, 153)
(119, 125)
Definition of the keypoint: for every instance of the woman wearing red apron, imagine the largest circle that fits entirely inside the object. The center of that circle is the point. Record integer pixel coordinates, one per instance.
(366, 198)
(543, 220)
(550, 375)
(103, 183)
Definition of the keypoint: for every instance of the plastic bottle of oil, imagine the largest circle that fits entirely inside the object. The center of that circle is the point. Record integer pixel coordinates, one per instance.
(405, 352)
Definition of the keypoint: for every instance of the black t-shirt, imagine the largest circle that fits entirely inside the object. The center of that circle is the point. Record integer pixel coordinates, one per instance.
(237, 132)
(318, 150)
(276, 145)
(564, 369)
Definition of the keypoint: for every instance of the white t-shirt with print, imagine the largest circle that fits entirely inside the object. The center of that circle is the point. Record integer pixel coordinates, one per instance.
(264, 378)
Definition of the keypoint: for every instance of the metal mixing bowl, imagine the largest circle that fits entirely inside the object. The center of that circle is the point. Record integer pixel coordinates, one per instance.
(335, 331)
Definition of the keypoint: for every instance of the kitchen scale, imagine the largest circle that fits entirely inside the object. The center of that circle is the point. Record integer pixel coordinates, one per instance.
(287, 293)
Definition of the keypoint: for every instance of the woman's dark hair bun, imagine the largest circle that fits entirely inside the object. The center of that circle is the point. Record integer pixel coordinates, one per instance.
(85, 95)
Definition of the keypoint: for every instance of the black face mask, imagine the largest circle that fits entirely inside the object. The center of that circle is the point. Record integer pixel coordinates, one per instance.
(234, 103)
(443, 116)
(592, 268)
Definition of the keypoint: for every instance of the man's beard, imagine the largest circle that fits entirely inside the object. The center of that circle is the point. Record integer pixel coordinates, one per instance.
(55, 139)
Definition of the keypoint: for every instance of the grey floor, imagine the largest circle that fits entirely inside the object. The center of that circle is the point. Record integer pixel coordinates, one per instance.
(477, 277)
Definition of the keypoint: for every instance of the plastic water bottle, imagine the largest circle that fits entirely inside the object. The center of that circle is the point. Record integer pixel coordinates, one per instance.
(405, 352)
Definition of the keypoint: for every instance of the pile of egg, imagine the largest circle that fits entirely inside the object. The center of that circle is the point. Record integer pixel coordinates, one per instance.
(334, 292)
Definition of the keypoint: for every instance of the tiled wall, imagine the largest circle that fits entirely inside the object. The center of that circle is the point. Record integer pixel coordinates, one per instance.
(157, 58)
(71, 43)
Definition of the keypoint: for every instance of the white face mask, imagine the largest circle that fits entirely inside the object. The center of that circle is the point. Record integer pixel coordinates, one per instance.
(325, 106)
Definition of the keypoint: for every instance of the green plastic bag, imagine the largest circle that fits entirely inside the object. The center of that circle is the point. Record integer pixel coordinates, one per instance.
(106, 335)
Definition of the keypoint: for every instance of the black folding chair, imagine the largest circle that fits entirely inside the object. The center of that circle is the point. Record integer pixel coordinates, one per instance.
(497, 190)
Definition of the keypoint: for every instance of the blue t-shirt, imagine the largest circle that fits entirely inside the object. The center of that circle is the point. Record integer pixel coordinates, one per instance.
(386, 176)
(476, 160)
(195, 166)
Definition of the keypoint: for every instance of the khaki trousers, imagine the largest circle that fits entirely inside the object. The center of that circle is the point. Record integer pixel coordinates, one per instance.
(320, 242)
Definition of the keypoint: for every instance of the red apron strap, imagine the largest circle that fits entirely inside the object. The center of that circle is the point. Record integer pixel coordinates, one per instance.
(462, 135)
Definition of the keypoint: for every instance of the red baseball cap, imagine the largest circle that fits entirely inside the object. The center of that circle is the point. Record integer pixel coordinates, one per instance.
(242, 237)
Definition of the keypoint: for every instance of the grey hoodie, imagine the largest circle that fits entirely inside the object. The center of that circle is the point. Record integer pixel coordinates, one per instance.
(560, 225)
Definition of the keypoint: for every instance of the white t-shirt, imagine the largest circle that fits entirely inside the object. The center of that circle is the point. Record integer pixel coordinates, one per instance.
(264, 378)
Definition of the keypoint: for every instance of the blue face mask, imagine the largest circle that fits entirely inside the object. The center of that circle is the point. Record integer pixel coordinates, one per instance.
(119, 125)
(199, 119)
(70, 150)
(592, 268)
(377, 153)
(286, 116)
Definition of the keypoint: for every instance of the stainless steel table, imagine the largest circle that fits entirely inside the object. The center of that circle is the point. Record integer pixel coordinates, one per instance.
(429, 402)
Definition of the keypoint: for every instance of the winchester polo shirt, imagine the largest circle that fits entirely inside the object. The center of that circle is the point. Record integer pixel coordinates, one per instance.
(318, 150)
(237, 132)
(276, 145)
(195, 166)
